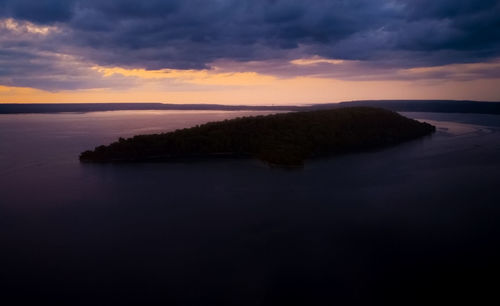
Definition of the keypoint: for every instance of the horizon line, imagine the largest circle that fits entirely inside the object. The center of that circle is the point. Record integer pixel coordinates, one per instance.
(253, 105)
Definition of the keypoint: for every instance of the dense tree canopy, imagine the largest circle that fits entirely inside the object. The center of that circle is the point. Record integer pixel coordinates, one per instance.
(283, 139)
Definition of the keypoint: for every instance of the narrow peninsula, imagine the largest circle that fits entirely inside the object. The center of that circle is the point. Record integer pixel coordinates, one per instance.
(285, 139)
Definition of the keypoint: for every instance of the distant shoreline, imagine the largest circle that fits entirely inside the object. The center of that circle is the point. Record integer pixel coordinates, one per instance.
(438, 106)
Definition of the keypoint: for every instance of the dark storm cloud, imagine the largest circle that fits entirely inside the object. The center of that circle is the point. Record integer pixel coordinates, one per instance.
(48, 71)
(466, 26)
(43, 11)
(193, 34)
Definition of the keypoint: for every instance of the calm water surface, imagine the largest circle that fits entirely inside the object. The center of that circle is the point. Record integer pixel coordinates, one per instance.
(410, 224)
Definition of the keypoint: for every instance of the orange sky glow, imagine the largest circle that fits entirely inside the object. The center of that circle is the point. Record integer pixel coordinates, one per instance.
(249, 87)
(300, 80)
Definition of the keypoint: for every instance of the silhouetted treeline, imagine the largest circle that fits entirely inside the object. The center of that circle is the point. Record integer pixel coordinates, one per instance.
(284, 139)
(99, 107)
(430, 106)
(440, 106)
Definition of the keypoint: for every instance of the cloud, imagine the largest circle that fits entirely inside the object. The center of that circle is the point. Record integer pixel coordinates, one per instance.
(197, 34)
(29, 58)
(46, 11)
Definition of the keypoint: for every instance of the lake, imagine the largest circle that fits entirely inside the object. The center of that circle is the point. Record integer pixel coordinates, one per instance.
(404, 224)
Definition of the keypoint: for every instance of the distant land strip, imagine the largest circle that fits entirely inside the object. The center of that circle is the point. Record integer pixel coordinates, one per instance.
(437, 106)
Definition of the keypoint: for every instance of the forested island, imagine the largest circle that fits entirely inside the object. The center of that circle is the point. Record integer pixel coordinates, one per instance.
(285, 139)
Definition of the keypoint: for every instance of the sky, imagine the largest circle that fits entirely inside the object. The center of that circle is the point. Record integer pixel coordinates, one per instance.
(248, 51)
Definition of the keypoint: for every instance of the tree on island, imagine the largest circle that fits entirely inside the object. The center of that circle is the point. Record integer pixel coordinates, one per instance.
(283, 139)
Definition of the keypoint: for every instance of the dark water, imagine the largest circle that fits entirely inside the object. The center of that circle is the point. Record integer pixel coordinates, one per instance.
(414, 224)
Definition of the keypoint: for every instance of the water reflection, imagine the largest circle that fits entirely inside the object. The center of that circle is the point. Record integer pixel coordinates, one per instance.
(413, 221)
